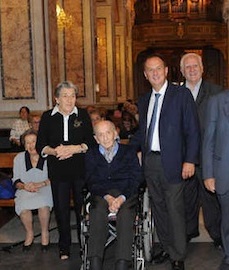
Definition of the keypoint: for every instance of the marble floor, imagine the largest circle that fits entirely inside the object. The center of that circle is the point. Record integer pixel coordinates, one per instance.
(201, 255)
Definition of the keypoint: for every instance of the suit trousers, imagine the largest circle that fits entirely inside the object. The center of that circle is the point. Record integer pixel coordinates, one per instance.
(211, 211)
(168, 208)
(224, 202)
(62, 192)
(196, 196)
(99, 230)
(192, 206)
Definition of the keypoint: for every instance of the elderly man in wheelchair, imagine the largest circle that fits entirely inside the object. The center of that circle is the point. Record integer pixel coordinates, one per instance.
(113, 175)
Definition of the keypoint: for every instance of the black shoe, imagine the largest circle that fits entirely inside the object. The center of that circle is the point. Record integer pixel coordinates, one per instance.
(218, 243)
(190, 236)
(224, 264)
(44, 248)
(161, 257)
(96, 263)
(27, 248)
(64, 254)
(122, 265)
(177, 265)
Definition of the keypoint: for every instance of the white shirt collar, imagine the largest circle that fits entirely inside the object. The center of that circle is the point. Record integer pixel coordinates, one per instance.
(56, 110)
(162, 90)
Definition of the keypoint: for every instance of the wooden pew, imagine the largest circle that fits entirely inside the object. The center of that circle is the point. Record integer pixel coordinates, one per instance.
(6, 161)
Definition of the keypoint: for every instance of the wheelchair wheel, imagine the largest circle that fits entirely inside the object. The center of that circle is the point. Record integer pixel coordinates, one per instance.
(148, 227)
(84, 243)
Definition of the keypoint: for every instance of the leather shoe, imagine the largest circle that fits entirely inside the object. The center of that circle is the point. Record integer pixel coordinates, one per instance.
(224, 264)
(161, 257)
(96, 263)
(177, 265)
(26, 248)
(122, 265)
(218, 244)
(44, 248)
(190, 236)
(64, 254)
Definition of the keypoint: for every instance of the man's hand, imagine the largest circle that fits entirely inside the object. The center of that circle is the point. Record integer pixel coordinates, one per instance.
(114, 203)
(117, 203)
(210, 184)
(188, 170)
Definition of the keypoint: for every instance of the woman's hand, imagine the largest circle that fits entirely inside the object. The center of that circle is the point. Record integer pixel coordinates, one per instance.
(31, 187)
(67, 151)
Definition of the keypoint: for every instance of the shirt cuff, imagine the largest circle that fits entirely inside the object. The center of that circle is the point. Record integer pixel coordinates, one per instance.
(42, 152)
(124, 197)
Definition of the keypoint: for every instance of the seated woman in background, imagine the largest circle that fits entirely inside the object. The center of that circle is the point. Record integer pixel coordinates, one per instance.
(19, 127)
(33, 192)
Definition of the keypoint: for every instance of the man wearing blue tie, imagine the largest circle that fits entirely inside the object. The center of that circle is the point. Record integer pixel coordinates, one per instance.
(170, 150)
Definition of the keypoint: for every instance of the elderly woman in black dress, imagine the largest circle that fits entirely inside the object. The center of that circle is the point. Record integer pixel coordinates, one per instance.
(65, 133)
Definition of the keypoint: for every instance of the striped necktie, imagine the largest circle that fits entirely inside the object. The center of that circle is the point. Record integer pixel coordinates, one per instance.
(150, 131)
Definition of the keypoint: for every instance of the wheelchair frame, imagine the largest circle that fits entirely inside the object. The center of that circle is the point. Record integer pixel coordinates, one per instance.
(143, 233)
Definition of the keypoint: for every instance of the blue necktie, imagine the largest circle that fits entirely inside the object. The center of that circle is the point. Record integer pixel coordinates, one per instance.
(152, 124)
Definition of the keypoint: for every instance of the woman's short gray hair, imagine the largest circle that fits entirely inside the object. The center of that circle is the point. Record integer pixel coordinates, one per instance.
(65, 84)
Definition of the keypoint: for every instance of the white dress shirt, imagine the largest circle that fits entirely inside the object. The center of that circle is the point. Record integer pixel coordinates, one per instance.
(196, 89)
(156, 140)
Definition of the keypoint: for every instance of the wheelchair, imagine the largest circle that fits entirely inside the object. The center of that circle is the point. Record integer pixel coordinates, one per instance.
(143, 232)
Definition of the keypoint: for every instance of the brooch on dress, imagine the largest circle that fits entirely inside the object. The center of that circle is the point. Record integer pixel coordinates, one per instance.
(77, 123)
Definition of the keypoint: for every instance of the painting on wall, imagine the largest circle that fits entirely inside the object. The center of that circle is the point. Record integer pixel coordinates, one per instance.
(16, 50)
(23, 70)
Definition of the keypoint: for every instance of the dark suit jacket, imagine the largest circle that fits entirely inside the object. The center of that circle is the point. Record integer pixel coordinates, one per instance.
(216, 142)
(207, 90)
(122, 176)
(51, 133)
(179, 130)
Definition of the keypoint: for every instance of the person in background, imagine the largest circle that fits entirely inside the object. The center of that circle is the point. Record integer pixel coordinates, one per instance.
(33, 191)
(90, 108)
(113, 175)
(103, 112)
(64, 135)
(132, 108)
(169, 139)
(19, 127)
(35, 122)
(215, 161)
(196, 194)
(95, 117)
(128, 125)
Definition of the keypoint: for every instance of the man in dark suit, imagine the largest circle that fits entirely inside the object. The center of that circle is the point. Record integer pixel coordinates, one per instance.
(113, 175)
(196, 194)
(170, 157)
(216, 160)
